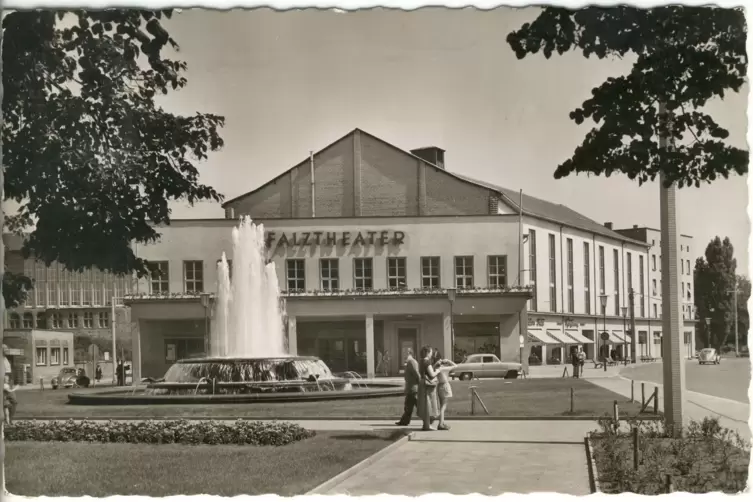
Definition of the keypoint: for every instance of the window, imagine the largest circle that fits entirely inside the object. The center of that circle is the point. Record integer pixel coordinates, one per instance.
(653, 262)
(498, 271)
(104, 319)
(653, 287)
(570, 288)
(193, 273)
(363, 274)
(41, 356)
(464, 272)
(396, 274)
(183, 348)
(72, 320)
(643, 286)
(295, 275)
(160, 277)
(330, 274)
(683, 290)
(682, 266)
(655, 312)
(28, 320)
(552, 274)
(687, 268)
(14, 321)
(57, 320)
(430, 277)
(616, 259)
(41, 321)
(55, 356)
(629, 271)
(532, 267)
(602, 276)
(88, 319)
(65, 356)
(587, 276)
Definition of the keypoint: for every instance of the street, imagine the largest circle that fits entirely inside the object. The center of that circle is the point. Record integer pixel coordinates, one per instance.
(729, 380)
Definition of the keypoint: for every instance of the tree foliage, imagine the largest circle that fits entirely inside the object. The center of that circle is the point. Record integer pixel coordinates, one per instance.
(743, 317)
(714, 278)
(90, 156)
(683, 57)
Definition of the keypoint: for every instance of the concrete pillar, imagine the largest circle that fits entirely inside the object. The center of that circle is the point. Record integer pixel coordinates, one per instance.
(523, 331)
(543, 355)
(292, 336)
(136, 357)
(370, 346)
(447, 336)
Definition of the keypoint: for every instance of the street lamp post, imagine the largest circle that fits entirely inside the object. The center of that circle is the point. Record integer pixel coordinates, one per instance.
(604, 299)
(205, 303)
(624, 332)
(708, 331)
(451, 292)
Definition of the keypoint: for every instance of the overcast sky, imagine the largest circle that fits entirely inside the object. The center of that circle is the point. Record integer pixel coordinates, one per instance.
(291, 82)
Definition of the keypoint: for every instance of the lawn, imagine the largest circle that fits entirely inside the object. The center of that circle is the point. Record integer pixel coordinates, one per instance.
(99, 470)
(536, 397)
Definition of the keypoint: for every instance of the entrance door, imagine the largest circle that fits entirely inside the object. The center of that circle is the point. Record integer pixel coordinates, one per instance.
(407, 340)
(332, 352)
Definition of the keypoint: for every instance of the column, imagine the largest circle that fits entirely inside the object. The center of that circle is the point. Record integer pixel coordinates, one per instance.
(370, 346)
(292, 336)
(523, 331)
(447, 336)
(543, 354)
(136, 357)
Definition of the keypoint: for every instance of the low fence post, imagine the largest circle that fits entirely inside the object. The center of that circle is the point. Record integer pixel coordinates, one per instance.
(656, 400)
(643, 394)
(636, 459)
(616, 413)
(572, 400)
(632, 390)
(473, 401)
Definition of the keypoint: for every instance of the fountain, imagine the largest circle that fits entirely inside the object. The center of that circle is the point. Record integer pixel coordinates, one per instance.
(248, 359)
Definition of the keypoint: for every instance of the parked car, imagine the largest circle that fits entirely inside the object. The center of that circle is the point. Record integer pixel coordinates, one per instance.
(709, 356)
(484, 366)
(66, 378)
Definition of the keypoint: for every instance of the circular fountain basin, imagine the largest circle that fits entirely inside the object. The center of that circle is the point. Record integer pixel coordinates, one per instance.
(241, 380)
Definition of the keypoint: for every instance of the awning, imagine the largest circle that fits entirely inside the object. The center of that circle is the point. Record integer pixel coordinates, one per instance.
(542, 337)
(577, 336)
(628, 338)
(561, 337)
(614, 337)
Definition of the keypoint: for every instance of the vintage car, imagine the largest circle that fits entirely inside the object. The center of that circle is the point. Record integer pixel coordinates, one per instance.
(709, 356)
(484, 366)
(66, 378)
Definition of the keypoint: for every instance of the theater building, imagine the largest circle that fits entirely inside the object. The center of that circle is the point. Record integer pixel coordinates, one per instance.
(379, 250)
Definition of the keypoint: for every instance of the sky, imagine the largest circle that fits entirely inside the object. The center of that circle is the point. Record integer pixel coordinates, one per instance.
(291, 82)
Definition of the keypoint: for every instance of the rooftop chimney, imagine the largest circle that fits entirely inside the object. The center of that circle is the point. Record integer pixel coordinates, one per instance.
(608, 225)
(635, 226)
(430, 154)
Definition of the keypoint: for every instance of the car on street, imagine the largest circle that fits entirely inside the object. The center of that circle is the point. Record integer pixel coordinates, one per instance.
(66, 378)
(709, 356)
(484, 366)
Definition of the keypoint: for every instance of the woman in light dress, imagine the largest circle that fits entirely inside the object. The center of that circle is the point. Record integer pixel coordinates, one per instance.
(444, 389)
(427, 388)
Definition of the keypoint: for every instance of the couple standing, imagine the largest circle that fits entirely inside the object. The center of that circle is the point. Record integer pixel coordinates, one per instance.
(427, 388)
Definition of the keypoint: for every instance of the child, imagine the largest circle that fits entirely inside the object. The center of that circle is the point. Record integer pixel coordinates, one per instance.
(9, 403)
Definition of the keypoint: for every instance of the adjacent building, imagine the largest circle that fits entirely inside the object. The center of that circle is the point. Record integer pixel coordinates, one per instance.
(35, 354)
(380, 251)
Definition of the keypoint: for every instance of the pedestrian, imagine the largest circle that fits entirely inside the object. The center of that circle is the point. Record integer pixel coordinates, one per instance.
(98, 373)
(119, 373)
(387, 360)
(411, 389)
(576, 364)
(9, 402)
(581, 361)
(427, 389)
(444, 389)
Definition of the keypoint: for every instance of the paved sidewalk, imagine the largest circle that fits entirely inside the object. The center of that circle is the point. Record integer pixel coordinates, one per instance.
(486, 457)
(731, 414)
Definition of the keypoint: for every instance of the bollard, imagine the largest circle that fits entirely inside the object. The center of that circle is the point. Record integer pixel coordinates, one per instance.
(473, 402)
(643, 394)
(636, 459)
(572, 401)
(656, 400)
(41, 383)
(632, 390)
(616, 412)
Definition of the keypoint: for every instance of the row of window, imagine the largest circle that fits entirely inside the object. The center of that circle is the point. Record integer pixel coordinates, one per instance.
(641, 299)
(58, 320)
(684, 265)
(363, 273)
(54, 358)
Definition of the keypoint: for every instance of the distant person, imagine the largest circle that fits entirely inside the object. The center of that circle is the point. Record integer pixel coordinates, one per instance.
(387, 360)
(444, 389)
(120, 373)
(613, 355)
(427, 389)
(9, 402)
(411, 389)
(575, 362)
(98, 373)
(581, 361)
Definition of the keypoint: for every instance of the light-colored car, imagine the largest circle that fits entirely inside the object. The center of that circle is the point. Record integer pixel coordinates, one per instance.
(484, 366)
(66, 378)
(709, 356)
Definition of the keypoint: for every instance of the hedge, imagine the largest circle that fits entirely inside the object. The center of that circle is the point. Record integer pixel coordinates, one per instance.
(159, 431)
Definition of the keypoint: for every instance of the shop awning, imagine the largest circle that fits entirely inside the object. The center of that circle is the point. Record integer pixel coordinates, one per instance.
(542, 337)
(561, 337)
(614, 337)
(574, 334)
(628, 338)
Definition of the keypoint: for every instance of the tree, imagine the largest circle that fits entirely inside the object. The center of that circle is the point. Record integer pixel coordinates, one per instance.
(89, 155)
(683, 56)
(714, 277)
(743, 317)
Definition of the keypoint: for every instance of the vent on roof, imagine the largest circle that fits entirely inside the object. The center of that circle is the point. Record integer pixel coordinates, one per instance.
(431, 154)
(608, 225)
(635, 226)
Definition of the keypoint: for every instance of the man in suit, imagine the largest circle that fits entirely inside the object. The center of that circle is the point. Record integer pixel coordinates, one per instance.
(411, 389)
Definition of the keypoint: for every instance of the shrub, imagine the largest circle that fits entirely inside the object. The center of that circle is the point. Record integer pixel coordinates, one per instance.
(159, 431)
(705, 457)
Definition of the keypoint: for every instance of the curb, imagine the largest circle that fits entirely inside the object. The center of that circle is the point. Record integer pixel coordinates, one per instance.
(593, 472)
(481, 418)
(363, 464)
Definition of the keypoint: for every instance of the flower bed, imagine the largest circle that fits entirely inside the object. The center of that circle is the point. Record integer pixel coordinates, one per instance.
(704, 458)
(157, 432)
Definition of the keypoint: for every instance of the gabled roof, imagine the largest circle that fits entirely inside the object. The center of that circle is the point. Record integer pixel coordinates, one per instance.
(532, 206)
